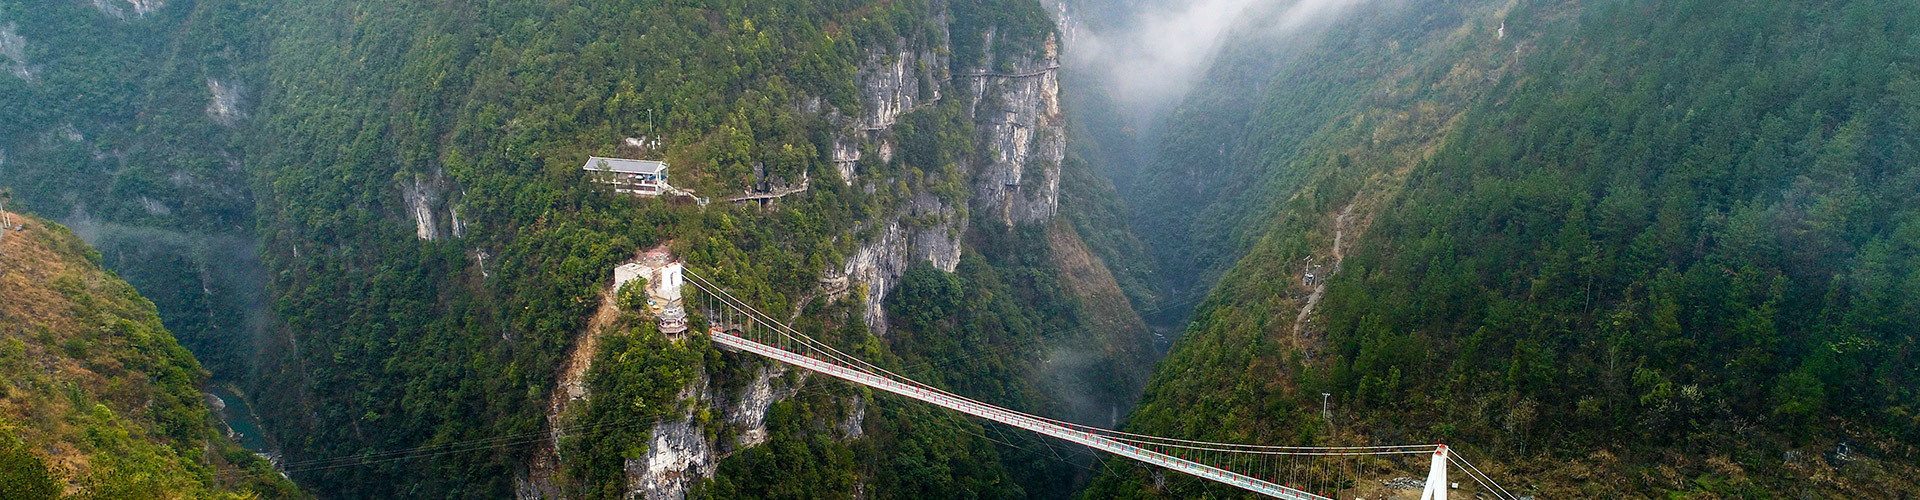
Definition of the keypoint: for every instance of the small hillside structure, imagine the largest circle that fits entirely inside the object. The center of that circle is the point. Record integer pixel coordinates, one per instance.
(664, 279)
(641, 177)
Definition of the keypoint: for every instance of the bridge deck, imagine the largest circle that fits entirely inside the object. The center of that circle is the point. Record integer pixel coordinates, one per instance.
(1015, 419)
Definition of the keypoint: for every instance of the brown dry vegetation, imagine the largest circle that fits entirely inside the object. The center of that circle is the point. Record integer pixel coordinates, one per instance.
(91, 381)
(1086, 276)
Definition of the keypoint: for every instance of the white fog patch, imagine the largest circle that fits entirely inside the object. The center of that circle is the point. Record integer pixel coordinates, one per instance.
(1153, 61)
(1306, 12)
(1159, 54)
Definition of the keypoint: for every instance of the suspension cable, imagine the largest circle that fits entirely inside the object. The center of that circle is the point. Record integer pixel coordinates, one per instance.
(1476, 470)
(728, 299)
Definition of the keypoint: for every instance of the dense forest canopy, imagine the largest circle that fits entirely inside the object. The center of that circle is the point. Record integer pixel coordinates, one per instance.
(1627, 235)
(1626, 248)
(404, 179)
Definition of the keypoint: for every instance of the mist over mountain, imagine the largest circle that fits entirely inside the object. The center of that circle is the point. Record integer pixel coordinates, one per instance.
(1612, 248)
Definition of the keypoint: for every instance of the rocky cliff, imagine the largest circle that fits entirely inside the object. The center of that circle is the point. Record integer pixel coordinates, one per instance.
(1013, 174)
(1012, 178)
(1022, 136)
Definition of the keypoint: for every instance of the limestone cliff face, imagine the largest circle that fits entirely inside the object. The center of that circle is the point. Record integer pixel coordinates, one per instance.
(749, 410)
(425, 200)
(225, 107)
(1013, 177)
(1022, 138)
(1020, 141)
(13, 53)
(894, 81)
(124, 8)
(679, 453)
(879, 264)
(683, 450)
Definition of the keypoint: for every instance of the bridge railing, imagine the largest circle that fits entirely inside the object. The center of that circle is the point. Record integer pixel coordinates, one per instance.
(763, 336)
(1012, 418)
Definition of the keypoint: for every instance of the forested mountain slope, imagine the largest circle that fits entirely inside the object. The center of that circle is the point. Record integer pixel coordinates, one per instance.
(96, 398)
(120, 124)
(410, 174)
(1615, 248)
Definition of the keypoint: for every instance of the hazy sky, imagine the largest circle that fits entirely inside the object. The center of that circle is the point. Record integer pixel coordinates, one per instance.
(1152, 62)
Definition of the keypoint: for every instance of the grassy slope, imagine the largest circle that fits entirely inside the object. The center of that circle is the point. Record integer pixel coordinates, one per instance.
(98, 389)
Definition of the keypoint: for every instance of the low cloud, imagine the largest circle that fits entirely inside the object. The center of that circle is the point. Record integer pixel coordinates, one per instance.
(1153, 60)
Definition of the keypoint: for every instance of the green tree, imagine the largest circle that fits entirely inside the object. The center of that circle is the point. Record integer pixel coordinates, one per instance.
(23, 474)
(632, 296)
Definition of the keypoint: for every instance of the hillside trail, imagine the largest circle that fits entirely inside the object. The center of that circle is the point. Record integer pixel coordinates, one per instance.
(572, 386)
(1340, 226)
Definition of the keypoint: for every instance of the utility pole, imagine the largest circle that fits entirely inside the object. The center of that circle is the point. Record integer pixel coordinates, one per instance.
(7, 225)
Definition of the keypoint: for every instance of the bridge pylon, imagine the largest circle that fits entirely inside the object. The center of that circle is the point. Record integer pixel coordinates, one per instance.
(1437, 477)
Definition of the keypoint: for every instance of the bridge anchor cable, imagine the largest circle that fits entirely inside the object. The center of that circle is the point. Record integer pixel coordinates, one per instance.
(736, 325)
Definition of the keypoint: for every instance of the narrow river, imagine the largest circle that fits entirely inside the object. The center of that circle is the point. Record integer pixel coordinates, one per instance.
(243, 425)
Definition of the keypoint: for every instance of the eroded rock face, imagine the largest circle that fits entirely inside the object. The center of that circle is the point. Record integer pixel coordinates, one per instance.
(427, 204)
(854, 425)
(1016, 170)
(419, 199)
(14, 48)
(678, 454)
(890, 85)
(1023, 138)
(122, 8)
(878, 265)
(749, 411)
(893, 81)
(845, 156)
(458, 227)
(938, 244)
(224, 108)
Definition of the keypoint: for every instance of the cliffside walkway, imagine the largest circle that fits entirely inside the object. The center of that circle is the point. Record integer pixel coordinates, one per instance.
(776, 194)
(1287, 472)
(996, 74)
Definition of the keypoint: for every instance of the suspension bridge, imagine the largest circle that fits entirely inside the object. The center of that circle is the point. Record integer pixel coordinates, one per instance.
(1286, 472)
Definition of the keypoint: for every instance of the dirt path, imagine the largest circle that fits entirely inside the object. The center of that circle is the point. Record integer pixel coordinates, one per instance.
(572, 387)
(1340, 226)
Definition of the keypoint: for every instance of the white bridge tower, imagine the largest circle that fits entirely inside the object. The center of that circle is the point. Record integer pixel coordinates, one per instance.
(1437, 477)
